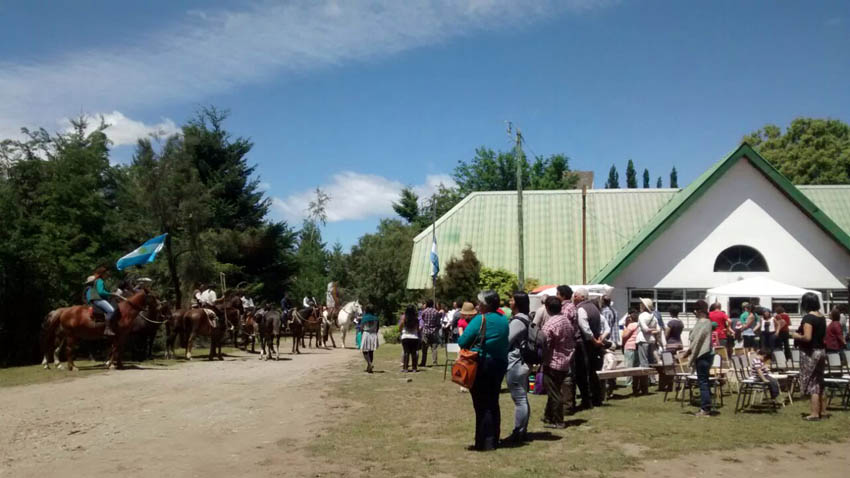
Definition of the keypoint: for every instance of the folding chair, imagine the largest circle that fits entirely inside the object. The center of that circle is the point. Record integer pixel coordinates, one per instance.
(836, 381)
(713, 383)
(747, 387)
(680, 377)
(450, 348)
(783, 373)
(795, 358)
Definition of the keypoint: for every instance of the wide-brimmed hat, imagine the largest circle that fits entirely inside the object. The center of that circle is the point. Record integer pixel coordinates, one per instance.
(468, 309)
(647, 302)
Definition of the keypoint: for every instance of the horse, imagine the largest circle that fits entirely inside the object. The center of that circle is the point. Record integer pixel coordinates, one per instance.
(77, 323)
(299, 318)
(190, 323)
(269, 324)
(231, 304)
(346, 316)
(145, 328)
(249, 331)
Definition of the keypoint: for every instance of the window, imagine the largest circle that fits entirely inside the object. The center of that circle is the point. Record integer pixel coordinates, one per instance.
(740, 259)
(685, 299)
(792, 307)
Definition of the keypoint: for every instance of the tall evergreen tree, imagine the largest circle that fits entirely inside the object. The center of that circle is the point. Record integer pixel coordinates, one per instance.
(674, 178)
(658, 183)
(645, 178)
(631, 175)
(613, 178)
(407, 206)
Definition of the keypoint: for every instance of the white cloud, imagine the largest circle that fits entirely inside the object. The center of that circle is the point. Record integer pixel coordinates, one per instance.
(355, 196)
(213, 51)
(123, 130)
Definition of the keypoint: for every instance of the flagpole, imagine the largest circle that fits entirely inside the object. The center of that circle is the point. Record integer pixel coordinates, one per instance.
(433, 241)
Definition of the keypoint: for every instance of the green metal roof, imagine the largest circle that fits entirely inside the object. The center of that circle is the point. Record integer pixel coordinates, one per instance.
(486, 221)
(620, 224)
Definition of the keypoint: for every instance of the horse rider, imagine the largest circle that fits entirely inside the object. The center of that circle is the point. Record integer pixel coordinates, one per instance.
(206, 298)
(333, 302)
(309, 302)
(284, 305)
(247, 304)
(98, 297)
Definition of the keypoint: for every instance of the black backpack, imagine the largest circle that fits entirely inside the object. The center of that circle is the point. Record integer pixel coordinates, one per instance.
(531, 347)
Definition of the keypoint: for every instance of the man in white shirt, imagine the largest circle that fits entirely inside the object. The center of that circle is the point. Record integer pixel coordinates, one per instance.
(646, 340)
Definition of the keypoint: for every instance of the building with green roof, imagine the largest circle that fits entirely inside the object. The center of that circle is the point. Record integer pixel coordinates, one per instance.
(740, 218)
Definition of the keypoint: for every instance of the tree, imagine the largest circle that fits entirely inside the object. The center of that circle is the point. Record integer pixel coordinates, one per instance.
(811, 151)
(312, 260)
(674, 178)
(552, 173)
(460, 277)
(505, 283)
(631, 175)
(379, 263)
(645, 178)
(407, 206)
(613, 178)
(339, 267)
(658, 183)
(221, 162)
(317, 209)
(492, 171)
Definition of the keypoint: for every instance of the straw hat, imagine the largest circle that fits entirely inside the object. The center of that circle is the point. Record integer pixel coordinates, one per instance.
(468, 309)
(647, 302)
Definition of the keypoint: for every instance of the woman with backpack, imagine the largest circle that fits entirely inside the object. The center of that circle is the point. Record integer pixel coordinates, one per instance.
(518, 368)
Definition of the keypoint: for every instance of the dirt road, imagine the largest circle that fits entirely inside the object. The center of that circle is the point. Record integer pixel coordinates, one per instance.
(239, 417)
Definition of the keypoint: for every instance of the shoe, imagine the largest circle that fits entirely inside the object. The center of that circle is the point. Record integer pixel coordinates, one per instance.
(514, 438)
(811, 419)
(557, 426)
(702, 413)
(108, 332)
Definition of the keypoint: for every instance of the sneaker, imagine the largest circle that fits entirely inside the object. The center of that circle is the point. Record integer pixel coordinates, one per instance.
(702, 413)
(557, 426)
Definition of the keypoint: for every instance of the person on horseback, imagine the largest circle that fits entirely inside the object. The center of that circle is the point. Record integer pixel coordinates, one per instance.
(206, 298)
(98, 297)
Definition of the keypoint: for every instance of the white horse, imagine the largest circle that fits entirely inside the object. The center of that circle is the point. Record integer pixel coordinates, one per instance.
(346, 316)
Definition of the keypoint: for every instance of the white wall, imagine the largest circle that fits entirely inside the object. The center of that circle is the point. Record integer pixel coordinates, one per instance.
(744, 208)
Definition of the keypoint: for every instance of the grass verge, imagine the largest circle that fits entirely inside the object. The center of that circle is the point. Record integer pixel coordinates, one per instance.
(418, 425)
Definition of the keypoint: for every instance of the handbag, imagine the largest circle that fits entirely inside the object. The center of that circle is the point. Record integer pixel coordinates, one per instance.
(465, 367)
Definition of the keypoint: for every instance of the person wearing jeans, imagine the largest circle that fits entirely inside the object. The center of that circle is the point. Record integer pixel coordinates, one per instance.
(559, 351)
(702, 355)
(517, 376)
(646, 339)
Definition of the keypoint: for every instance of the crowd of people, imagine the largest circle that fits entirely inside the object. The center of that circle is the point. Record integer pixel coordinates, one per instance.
(565, 342)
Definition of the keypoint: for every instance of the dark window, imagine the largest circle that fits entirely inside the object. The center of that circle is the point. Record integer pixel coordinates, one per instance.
(740, 259)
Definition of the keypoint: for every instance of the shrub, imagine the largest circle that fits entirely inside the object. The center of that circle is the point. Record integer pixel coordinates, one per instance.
(392, 335)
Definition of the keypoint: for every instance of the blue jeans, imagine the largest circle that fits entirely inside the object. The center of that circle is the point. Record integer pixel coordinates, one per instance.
(106, 307)
(629, 360)
(703, 365)
(517, 379)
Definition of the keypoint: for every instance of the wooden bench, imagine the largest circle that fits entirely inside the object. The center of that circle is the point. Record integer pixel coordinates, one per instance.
(626, 372)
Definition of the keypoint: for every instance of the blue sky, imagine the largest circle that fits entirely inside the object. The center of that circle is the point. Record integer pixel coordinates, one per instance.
(361, 98)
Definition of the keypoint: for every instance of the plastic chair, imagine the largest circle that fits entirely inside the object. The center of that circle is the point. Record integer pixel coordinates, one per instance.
(450, 348)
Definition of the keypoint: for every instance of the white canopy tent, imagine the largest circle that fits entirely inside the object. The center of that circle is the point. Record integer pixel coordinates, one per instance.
(594, 290)
(763, 288)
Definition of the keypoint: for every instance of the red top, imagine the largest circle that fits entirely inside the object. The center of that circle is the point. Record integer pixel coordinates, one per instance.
(786, 319)
(721, 319)
(834, 339)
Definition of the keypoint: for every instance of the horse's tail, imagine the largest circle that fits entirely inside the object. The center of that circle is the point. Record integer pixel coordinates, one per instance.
(48, 336)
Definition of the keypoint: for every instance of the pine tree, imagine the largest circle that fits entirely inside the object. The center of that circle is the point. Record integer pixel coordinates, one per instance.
(674, 178)
(658, 183)
(407, 206)
(631, 175)
(613, 178)
(645, 178)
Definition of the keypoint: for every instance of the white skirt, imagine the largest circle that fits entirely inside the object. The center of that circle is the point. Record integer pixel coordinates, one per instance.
(369, 342)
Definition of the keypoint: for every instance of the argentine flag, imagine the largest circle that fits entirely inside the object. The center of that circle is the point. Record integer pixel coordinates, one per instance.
(145, 254)
(435, 261)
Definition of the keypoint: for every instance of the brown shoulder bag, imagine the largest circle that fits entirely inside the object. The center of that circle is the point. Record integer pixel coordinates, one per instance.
(466, 366)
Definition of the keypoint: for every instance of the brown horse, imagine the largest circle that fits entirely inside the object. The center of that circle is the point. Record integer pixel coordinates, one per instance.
(248, 330)
(190, 323)
(76, 323)
(300, 321)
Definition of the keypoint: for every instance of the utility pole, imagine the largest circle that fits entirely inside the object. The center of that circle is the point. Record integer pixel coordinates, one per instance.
(518, 156)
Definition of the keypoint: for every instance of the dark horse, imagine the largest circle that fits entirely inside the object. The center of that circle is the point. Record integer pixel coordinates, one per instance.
(300, 321)
(144, 331)
(270, 325)
(77, 323)
(249, 331)
(190, 323)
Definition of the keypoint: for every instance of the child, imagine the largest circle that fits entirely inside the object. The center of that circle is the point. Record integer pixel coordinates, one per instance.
(760, 372)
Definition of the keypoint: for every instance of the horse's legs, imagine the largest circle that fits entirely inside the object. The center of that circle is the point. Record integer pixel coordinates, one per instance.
(343, 330)
(69, 352)
(189, 343)
(331, 335)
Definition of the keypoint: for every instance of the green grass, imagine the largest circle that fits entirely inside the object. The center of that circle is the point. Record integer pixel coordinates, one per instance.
(32, 374)
(422, 428)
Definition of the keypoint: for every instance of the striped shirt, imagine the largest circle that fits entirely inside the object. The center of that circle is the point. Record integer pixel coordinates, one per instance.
(560, 343)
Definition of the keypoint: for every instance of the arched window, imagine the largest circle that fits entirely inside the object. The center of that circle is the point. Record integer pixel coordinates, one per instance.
(740, 259)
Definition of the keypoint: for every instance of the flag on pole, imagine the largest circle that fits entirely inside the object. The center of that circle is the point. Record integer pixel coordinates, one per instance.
(145, 254)
(435, 261)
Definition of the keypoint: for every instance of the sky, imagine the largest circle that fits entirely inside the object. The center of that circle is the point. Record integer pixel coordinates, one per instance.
(362, 98)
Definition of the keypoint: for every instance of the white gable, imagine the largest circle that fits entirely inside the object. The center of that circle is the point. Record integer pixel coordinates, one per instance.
(741, 208)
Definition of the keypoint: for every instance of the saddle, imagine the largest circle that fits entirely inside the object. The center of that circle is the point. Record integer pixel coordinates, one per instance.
(212, 317)
(96, 314)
